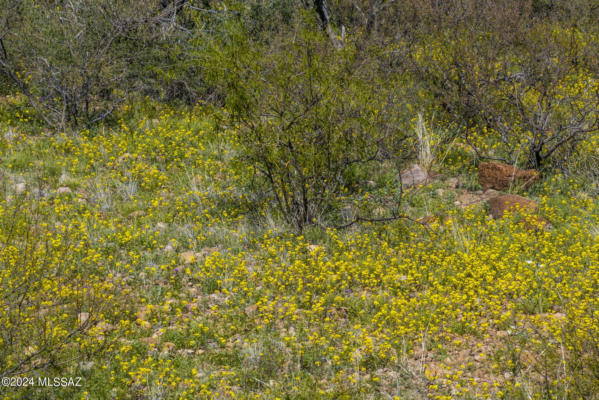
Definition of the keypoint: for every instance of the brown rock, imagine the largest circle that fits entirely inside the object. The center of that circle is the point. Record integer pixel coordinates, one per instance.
(494, 175)
(83, 317)
(191, 307)
(499, 205)
(251, 309)
(413, 176)
(20, 188)
(149, 340)
(168, 346)
(453, 183)
(490, 193)
(468, 199)
(64, 190)
(207, 251)
(557, 315)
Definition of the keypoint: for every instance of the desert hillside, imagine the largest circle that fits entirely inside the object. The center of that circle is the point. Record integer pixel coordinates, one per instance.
(284, 199)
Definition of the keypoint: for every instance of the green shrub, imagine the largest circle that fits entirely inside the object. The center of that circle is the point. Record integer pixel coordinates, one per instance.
(521, 92)
(79, 60)
(305, 115)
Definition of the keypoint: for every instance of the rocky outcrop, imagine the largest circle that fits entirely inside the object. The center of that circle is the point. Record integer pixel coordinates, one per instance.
(498, 176)
(499, 205)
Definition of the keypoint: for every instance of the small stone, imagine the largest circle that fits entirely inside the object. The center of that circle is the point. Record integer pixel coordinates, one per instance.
(440, 192)
(168, 346)
(191, 307)
(83, 317)
(479, 192)
(149, 340)
(20, 188)
(161, 226)
(40, 193)
(63, 190)
(251, 309)
(64, 177)
(413, 176)
(169, 248)
(453, 183)
(141, 314)
(468, 199)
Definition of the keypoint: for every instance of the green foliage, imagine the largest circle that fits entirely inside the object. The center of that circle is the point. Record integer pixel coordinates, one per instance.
(53, 302)
(525, 92)
(80, 60)
(305, 116)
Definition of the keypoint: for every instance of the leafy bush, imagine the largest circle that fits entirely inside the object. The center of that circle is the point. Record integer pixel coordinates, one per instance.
(81, 59)
(520, 92)
(305, 116)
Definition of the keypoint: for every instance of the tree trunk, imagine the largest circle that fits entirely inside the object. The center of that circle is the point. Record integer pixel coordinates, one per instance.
(323, 13)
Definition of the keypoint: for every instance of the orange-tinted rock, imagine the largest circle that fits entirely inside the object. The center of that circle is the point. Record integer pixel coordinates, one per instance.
(499, 205)
(494, 175)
